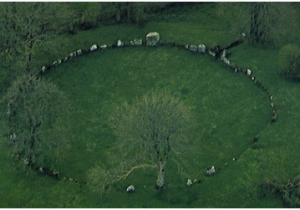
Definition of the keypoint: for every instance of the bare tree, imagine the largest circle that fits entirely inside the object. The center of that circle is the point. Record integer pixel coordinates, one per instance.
(157, 124)
(263, 22)
(26, 24)
(32, 108)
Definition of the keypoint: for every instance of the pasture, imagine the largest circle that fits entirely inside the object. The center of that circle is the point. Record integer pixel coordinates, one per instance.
(228, 107)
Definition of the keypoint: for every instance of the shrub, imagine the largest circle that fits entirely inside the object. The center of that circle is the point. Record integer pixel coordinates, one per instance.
(289, 58)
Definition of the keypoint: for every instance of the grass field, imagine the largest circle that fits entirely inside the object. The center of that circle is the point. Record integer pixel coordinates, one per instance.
(228, 107)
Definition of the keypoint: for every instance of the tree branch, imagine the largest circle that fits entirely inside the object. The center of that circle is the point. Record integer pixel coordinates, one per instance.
(134, 168)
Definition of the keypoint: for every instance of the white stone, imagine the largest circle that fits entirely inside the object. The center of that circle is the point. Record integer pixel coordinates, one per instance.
(79, 52)
(152, 38)
(130, 188)
(93, 48)
(212, 53)
(189, 182)
(120, 43)
(138, 42)
(248, 72)
(201, 48)
(193, 48)
(103, 46)
(211, 171)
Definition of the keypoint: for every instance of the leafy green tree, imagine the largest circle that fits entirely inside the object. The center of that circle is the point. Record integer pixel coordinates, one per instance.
(157, 124)
(33, 106)
(289, 58)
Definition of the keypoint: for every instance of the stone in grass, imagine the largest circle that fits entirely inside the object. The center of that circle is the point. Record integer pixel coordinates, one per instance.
(103, 46)
(189, 182)
(212, 53)
(193, 48)
(93, 48)
(120, 43)
(201, 48)
(152, 38)
(130, 188)
(210, 171)
(138, 42)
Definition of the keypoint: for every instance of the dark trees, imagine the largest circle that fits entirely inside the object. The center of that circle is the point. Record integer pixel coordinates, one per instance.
(32, 107)
(263, 22)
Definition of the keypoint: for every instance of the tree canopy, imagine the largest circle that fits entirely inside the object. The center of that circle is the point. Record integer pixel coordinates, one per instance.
(157, 124)
(32, 108)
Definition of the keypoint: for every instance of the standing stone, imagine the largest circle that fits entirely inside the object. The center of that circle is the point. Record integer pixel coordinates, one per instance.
(152, 38)
(201, 48)
(138, 42)
(193, 48)
(120, 43)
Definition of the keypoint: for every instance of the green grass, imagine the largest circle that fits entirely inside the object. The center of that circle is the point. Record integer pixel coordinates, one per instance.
(228, 108)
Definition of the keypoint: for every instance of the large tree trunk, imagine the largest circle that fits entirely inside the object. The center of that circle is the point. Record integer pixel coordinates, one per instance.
(160, 184)
(257, 30)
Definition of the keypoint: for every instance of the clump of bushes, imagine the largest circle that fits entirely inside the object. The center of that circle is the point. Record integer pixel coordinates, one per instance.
(289, 192)
(289, 58)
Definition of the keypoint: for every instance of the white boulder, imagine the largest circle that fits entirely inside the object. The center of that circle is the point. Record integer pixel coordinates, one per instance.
(130, 188)
(211, 171)
(189, 182)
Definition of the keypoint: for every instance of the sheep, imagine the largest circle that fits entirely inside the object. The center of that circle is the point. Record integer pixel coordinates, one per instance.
(66, 58)
(210, 171)
(93, 48)
(248, 72)
(43, 69)
(189, 182)
(130, 188)
(59, 62)
(71, 55)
